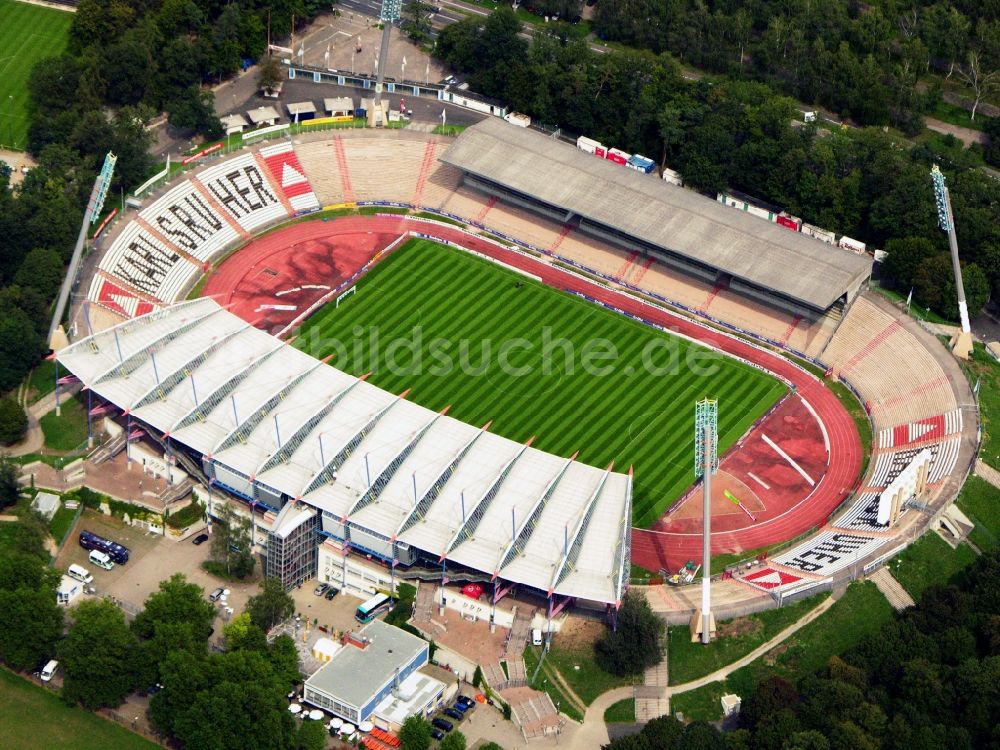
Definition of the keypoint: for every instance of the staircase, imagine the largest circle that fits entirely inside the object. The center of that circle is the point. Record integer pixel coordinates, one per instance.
(518, 637)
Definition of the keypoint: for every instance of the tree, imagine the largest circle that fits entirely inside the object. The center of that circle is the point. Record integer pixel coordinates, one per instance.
(269, 75)
(192, 109)
(176, 602)
(904, 258)
(312, 736)
(10, 487)
(32, 621)
(284, 659)
(981, 80)
(271, 606)
(415, 734)
(634, 644)
(454, 741)
(13, 421)
(768, 697)
(97, 656)
(242, 634)
(231, 542)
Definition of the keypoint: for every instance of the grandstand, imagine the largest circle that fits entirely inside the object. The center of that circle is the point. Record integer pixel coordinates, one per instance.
(323, 450)
(679, 227)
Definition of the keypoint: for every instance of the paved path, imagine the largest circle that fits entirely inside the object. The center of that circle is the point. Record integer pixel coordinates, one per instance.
(987, 472)
(721, 674)
(34, 439)
(898, 597)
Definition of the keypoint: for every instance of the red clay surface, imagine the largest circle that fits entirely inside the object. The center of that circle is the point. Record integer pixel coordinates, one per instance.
(323, 252)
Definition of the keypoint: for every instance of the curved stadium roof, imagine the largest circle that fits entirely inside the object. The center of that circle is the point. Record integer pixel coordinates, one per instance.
(270, 412)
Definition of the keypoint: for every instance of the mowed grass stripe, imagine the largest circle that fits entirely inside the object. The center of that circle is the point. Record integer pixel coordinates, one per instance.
(28, 33)
(629, 416)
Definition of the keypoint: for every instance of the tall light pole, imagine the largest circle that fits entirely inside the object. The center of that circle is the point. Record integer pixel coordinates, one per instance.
(961, 343)
(706, 463)
(388, 14)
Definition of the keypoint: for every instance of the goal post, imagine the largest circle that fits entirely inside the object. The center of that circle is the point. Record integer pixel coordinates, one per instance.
(344, 295)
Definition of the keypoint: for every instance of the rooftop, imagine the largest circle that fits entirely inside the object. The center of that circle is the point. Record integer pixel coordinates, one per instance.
(355, 674)
(675, 219)
(248, 402)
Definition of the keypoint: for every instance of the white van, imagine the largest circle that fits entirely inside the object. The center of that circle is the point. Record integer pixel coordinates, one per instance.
(80, 573)
(101, 559)
(536, 637)
(49, 670)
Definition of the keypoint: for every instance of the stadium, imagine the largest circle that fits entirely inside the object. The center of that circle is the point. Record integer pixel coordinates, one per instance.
(196, 329)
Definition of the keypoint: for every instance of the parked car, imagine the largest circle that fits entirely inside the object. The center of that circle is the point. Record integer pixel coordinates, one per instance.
(443, 724)
(451, 80)
(216, 595)
(331, 592)
(452, 713)
(461, 707)
(321, 589)
(49, 670)
(437, 734)
(200, 539)
(465, 701)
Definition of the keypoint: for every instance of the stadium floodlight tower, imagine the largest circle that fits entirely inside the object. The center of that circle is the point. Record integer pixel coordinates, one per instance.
(961, 343)
(387, 15)
(706, 463)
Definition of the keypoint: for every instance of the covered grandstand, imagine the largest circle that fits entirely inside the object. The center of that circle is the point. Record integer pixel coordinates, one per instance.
(676, 226)
(334, 457)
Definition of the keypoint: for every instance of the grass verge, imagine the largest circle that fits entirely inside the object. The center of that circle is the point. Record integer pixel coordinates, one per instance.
(737, 638)
(860, 611)
(980, 501)
(33, 717)
(622, 712)
(67, 431)
(928, 562)
(578, 668)
(548, 685)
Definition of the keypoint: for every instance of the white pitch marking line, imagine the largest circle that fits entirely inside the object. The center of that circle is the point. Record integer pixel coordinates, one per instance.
(758, 480)
(799, 469)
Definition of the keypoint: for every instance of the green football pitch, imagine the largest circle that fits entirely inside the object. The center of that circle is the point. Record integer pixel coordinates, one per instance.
(28, 33)
(493, 344)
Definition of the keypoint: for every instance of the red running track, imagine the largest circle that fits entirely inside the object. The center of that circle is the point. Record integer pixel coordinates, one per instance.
(650, 549)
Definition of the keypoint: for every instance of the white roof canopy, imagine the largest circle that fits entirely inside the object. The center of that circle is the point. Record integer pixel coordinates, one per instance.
(270, 412)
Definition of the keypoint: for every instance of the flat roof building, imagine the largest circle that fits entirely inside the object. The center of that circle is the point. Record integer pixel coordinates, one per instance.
(375, 666)
(299, 111)
(235, 123)
(263, 115)
(339, 106)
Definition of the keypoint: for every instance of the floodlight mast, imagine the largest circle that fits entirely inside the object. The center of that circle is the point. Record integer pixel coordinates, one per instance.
(706, 463)
(961, 344)
(387, 15)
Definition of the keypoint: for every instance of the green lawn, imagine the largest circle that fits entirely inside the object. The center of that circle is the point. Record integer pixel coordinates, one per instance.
(28, 34)
(622, 712)
(956, 116)
(928, 562)
(860, 611)
(578, 377)
(689, 661)
(549, 686)
(42, 380)
(581, 673)
(980, 501)
(61, 522)
(987, 369)
(33, 717)
(67, 431)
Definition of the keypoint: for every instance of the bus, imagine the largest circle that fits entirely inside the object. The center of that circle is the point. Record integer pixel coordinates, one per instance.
(91, 541)
(373, 608)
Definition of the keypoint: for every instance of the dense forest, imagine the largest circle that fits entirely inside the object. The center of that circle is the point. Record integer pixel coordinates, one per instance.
(860, 60)
(927, 680)
(864, 183)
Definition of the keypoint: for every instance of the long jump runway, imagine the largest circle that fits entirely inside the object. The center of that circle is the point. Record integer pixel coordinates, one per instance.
(790, 472)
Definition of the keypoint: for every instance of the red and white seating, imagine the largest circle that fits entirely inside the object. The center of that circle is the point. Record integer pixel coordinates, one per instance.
(143, 263)
(117, 299)
(240, 187)
(290, 176)
(923, 430)
(184, 217)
